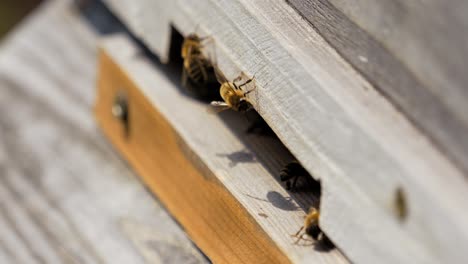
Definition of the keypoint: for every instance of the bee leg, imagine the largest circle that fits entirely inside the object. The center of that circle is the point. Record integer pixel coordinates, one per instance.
(298, 238)
(301, 237)
(251, 79)
(247, 82)
(298, 232)
(237, 79)
(306, 238)
(246, 93)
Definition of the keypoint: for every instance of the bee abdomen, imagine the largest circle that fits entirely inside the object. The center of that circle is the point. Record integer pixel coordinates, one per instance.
(313, 231)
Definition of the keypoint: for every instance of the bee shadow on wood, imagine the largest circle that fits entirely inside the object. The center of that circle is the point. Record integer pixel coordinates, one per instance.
(272, 153)
(324, 245)
(278, 200)
(237, 157)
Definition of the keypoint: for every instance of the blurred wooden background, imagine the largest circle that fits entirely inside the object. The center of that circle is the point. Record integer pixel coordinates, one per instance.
(65, 195)
(12, 11)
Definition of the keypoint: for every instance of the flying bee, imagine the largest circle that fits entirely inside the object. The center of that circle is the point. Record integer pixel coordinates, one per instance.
(197, 72)
(233, 95)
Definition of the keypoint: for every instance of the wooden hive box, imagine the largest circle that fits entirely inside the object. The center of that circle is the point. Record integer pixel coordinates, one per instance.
(363, 113)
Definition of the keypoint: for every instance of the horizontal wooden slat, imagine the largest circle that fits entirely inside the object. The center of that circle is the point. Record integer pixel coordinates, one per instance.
(341, 128)
(413, 53)
(218, 181)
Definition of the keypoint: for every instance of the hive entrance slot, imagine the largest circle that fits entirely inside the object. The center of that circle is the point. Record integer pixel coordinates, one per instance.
(263, 146)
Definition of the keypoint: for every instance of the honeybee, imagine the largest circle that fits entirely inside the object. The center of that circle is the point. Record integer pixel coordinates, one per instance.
(197, 71)
(311, 228)
(292, 172)
(233, 95)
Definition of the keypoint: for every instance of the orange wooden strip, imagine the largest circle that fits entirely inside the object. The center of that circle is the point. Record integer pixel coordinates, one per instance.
(212, 217)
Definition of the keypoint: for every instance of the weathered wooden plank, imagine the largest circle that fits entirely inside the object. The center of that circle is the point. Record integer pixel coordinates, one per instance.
(414, 53)
(65, 196)
(218, 181)
(361, 147)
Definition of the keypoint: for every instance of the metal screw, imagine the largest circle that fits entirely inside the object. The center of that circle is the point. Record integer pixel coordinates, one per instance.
(120, 110)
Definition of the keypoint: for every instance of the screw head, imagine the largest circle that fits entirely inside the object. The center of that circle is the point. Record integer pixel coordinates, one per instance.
(120, 110)
(120, 107)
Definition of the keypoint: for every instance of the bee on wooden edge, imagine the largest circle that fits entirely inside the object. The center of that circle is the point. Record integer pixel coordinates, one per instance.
(234, 96)
(198, 74)
(311, 228)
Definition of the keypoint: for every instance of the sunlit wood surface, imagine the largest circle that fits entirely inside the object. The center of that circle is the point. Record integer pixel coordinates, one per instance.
(65, 195)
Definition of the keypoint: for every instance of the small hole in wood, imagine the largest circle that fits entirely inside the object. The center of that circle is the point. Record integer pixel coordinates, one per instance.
(400, 204)
(120, 110)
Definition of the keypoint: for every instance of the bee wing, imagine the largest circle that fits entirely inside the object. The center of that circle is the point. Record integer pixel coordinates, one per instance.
(218, 107)
(207, 43)
(189, 50)
(206, 39)
(219, 75)
(219, 104)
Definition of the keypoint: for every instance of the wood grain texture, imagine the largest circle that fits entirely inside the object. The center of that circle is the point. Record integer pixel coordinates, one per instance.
(219, 182)
(65, 195)
(361, 147)
(413, 53)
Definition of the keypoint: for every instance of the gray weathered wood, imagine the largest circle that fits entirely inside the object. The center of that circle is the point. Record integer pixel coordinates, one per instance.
(65, 195)
(413, 52)
(333, 120)
(247, 165)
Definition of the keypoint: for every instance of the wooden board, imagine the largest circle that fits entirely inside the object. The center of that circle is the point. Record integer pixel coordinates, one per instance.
(65, 194)
(414, 53)
(333, 120)
(219, 182)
